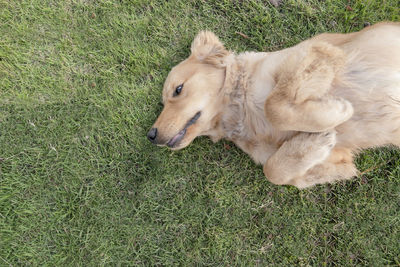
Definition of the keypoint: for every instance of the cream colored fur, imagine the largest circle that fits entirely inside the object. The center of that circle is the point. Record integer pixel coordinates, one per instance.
(302, 112)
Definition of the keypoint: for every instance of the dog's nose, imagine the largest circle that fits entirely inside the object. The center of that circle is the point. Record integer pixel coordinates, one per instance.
(152, 134)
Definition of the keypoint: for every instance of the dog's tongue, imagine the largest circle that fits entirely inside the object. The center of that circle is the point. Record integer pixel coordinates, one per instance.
(176, 138)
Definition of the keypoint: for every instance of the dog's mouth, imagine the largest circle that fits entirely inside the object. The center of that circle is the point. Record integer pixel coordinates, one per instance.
(177, 138)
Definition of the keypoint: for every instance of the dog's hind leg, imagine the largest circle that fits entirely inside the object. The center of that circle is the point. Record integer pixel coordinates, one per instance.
(301, 100)
(308, 159)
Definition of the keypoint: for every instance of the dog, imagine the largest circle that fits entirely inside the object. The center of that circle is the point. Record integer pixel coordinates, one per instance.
(302, 112)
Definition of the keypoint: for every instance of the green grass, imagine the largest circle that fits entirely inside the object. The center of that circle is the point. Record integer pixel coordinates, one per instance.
(80, 85)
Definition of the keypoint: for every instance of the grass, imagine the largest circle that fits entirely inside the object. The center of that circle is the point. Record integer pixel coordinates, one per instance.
(80, 85)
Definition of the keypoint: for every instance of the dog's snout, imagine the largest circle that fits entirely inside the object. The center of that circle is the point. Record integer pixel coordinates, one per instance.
(152, 135)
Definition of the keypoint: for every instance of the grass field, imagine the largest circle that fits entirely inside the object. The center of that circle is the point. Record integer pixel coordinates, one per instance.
(80, 85)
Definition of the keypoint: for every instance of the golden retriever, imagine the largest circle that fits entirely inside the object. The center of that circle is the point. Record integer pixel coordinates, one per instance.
(302, 112)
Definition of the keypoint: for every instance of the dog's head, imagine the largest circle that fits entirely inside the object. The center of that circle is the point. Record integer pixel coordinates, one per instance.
(191, 94)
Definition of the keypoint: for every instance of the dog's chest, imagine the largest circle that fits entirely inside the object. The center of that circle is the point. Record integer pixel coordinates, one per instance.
(243, 120)
(258, 150)
(243, 134)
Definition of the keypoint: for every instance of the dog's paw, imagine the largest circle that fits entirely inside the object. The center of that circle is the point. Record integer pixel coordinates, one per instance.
(333, 112)
(318, 146)
(344, 110)
(325, 139)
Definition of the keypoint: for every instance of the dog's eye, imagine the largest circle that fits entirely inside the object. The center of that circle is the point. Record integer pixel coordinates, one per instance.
(178, 90)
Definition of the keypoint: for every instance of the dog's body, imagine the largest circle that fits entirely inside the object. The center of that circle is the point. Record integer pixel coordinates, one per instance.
(301, 112)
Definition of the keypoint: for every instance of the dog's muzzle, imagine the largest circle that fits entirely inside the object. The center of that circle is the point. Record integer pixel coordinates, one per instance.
(152, 135)
(175, 140)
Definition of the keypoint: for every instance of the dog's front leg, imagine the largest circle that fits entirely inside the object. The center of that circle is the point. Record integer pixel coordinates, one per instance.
(312, 115)
(301, 99)
(297, 155)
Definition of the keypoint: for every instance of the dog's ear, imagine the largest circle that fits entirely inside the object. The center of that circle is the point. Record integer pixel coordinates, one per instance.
(207, 48)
